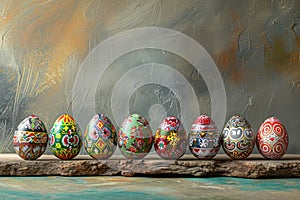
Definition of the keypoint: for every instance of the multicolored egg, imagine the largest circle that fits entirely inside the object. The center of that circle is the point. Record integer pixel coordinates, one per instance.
(135, 137)
(272, 139)
(65, 137)
(238, 138)
(100, 137)
(30, 138)
(204, 138)
(170, 141)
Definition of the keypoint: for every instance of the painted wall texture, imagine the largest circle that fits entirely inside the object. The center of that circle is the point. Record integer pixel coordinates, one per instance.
(255, 46)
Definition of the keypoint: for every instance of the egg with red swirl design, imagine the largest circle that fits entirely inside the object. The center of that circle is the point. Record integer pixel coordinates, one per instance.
(272, 139)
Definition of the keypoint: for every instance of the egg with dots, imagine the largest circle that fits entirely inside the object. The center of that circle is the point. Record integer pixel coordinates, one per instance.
(238, 138)
(100, 137)
(204, 138)
(30, 138)
(272, 139)
(170, 140)
(135, 137)
(65, 138)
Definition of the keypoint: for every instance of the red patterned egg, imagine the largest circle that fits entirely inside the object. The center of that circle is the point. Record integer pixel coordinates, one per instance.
(272, 139)
(135, 137)
(100, 137)
(65, 137)
(170, 139)
(30, 138)
(238, 138)
(204, 138)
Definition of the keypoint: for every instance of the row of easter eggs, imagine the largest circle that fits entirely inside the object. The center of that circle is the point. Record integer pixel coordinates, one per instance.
(135, 138)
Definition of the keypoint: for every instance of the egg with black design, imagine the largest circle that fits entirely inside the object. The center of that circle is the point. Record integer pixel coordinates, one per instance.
(30, 138)
(204, 138)
(100, 137)
(238, 138)
(170, 140)
(65, 138)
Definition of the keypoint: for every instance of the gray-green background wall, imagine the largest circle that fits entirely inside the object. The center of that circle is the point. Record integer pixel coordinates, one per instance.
(254, 44)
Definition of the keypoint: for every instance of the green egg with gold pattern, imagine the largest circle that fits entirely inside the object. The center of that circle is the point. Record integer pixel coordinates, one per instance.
(100, 137)
(65, 138)
(30, 138)
(135, 137)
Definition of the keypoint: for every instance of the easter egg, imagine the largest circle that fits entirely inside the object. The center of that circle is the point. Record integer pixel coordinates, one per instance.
(135, 137)
(65, 138)
(170, 140)
(204, 138)
(30, 138)
(272, 139)
(100, 137)
(238, 138)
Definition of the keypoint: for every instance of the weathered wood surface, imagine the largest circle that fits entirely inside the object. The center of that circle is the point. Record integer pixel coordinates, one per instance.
(253, 167)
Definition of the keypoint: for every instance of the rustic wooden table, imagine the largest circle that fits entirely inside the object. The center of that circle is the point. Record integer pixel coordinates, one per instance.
(255, 166)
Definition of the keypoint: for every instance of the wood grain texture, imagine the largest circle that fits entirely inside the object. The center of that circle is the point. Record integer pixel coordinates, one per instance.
(253, 167)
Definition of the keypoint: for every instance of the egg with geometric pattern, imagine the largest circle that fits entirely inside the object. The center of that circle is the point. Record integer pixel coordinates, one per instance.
(272, 139)
(65, 138)
(100, 137)
(238, 138)
(30, 138)
(204, 138)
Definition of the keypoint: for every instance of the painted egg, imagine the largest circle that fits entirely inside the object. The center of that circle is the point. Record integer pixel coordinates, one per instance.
(65, 138)
(204, 138)
(30, 138)
(135, 137)
(170, 139)
(272, 139)
(238, 138)
(100, 137)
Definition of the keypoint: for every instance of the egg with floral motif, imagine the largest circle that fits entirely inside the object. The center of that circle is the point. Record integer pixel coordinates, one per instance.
(100, 137)
(30, 138)
(238, 138)
(272, 139)
(135, 137)
(65, 138)
(170, 140)
(204, 138)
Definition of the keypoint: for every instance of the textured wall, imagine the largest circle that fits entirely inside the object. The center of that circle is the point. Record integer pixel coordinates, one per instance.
(254, 44)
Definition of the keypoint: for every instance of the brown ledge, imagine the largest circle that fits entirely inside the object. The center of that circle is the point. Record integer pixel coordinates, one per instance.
(253, 167)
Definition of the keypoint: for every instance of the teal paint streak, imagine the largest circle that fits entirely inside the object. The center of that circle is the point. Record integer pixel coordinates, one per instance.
(91, 194)
(98, 187)
(78, 188)
(252, 184)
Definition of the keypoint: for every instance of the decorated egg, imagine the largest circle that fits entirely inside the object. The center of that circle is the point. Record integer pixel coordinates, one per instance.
(135, 137)
(170, 139)
(100, 137)
(204, 138)
(30, 138)
(65, 138)
(272, 139)
(238, 138)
